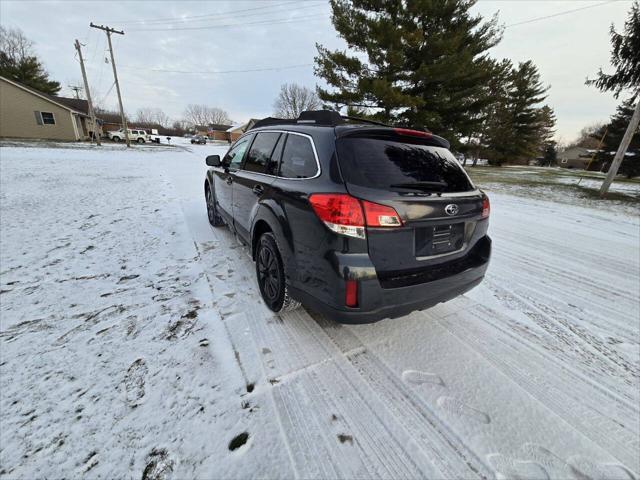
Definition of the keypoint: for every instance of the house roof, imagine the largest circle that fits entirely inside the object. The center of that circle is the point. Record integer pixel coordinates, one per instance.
(72, 104)
(219, 127)
(243, 127)
(76, 104)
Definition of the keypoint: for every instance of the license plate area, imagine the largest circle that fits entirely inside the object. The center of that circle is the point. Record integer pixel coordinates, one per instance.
(439, 239)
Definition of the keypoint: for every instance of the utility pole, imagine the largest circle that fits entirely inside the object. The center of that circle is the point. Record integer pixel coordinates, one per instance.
(92, 113)
(622, 149)
(115, 76)
(76, 89)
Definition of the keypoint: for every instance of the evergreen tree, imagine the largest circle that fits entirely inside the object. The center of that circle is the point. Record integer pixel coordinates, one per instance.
(498, 137)
(18, 62)
(549, 155)
(526, 94)
(616, 129)
(625, 57)
(417, 62)
(516, 127)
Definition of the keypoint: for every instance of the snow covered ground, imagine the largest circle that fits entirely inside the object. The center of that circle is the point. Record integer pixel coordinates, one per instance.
(133, 342)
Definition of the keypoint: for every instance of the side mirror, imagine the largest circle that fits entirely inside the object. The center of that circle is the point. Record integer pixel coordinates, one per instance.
(213, 160)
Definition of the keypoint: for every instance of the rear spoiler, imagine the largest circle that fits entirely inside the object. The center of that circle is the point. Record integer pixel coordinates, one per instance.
(404, 134)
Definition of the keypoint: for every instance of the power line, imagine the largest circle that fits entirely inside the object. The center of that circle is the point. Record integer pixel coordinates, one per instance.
(220, 15)
(559, 14)
(217, 72)
(262, 22)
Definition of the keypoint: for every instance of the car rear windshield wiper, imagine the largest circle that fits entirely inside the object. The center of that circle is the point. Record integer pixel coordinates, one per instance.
(434, 187)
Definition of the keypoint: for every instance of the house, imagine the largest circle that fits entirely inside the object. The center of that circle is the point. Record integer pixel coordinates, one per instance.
(218, 132)
(29, 113)
(236, 131)
(578, 157)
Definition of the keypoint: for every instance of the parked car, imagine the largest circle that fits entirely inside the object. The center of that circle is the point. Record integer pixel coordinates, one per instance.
(199, 139)
(139, 136)
(359, 221)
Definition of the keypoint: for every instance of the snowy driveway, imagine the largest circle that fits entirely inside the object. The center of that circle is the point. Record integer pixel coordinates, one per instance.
(133, 343)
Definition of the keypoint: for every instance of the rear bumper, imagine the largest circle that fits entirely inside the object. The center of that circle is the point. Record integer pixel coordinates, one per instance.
(376, 303)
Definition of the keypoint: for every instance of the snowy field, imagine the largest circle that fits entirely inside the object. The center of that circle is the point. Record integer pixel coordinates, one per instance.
(134, 344)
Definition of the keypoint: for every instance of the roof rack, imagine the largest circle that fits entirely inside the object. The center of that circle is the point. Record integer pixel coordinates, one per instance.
(327, 118)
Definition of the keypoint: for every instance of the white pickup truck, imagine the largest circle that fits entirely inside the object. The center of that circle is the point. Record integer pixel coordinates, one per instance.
(139, 136)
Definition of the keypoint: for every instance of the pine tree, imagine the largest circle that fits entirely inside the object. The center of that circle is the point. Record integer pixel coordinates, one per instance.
(526, 94)
(615, 131)
(18, 62)
(625, 57)
(417, 62)
(516, 127)
(495, 137)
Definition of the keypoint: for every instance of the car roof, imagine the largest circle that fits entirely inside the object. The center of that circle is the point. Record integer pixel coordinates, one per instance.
(316, 121)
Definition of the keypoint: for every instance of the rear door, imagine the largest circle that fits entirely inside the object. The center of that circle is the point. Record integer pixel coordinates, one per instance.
(425, 184)
(254, 178)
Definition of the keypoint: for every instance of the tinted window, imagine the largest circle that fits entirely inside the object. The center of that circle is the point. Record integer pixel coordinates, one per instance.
(381, 163)
(259, 155)
(233, 158)
(298, 160)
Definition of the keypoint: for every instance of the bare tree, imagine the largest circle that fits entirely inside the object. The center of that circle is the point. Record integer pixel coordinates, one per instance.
(15, 45)
(294, 99)
(152, 116)
(204, 115)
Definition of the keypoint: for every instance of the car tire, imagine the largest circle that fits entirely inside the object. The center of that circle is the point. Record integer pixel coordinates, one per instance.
(115, 139)
(215, 220)
(270, 275)
(140, 140)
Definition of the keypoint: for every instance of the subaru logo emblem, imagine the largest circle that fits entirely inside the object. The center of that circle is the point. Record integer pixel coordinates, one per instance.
(451, 209)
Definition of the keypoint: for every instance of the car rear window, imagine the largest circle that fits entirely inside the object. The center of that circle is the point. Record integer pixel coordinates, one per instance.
(298, 159)
(382, 163)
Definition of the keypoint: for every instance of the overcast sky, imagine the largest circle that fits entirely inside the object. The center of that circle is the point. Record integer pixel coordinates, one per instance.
(228, 36)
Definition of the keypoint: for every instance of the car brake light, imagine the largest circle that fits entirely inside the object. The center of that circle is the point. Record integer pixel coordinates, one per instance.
(486, 207)
(377, 215)
(351, 293)
(412, 133)
(347, 215)
(340, 212)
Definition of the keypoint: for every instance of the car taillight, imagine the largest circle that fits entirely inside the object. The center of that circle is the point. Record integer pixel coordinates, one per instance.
(347, 215)
(340, 212)
(486, 207)
(377, 215)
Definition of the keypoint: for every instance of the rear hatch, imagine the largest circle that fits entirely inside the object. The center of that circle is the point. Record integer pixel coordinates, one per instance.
(415, 174)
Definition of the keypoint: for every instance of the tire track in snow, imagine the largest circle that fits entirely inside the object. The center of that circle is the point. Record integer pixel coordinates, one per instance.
(599, 416)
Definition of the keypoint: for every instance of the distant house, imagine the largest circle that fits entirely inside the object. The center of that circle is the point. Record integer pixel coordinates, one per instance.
(578, 157)
(218, 132)
(236, 131)
(29, 113)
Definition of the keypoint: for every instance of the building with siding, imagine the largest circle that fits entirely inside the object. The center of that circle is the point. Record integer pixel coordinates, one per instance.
(28, 113)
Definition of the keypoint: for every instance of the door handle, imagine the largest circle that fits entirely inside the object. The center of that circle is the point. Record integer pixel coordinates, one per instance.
(258, 189)
(229, 180)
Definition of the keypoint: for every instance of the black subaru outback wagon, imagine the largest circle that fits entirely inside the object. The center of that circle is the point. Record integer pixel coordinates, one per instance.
(358, 220)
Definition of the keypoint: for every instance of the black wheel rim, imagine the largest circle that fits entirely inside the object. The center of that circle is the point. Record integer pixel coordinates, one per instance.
(211, 208)
(269, 275)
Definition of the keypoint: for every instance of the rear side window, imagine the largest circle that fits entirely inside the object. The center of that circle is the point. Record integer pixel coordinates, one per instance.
(259, 155)
(298, 159)
(386, 164)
